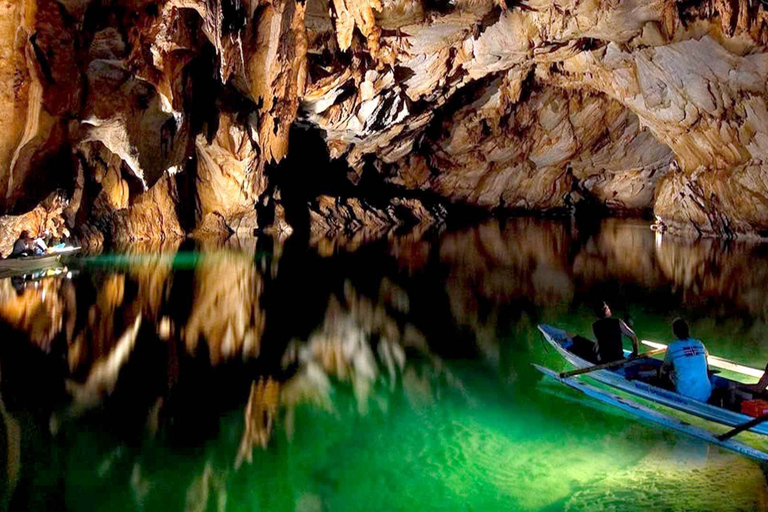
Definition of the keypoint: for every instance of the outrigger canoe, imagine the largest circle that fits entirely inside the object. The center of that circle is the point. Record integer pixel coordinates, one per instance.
(630, 379)
(655, 416)
(29, 264)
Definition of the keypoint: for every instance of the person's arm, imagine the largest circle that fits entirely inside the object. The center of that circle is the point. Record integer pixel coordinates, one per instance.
(39, 246)
(629, 333)
(666, 366)
(760, 385)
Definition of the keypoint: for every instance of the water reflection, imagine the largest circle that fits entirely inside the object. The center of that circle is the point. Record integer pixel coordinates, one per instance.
(234, 345)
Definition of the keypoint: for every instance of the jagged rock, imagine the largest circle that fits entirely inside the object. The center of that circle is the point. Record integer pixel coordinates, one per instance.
(355, 220)
(152, 216)
(279, 226)
(530, 155)
(230, 177)
(360, 14)
(128, 116)
(276, 72)
(212, 225)
(534, 106)
(31, 135)
(668, 66)
(723, 202)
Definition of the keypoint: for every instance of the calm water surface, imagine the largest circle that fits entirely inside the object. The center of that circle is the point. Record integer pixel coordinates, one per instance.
(393, 375)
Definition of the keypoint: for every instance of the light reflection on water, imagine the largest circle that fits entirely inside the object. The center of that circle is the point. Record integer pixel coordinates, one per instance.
(395, 375)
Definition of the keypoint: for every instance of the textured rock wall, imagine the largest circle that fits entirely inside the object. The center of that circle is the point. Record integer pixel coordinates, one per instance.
(541, 105)
(164, 117)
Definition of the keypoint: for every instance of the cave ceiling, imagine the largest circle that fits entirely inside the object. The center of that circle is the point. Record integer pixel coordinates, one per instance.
(152, 120)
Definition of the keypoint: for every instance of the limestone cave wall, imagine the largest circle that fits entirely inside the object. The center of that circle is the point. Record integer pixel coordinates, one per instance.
(149, 120)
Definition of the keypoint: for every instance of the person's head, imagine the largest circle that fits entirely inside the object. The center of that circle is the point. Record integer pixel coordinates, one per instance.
(24, 235)
(680, 328)
(602, 310)
(18, 284)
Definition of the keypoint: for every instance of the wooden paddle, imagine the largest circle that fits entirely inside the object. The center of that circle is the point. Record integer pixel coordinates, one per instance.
(744, 426)
(612, 364)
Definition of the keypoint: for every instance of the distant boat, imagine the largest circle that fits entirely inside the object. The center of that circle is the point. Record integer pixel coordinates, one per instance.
(29, 264)
(630, 380)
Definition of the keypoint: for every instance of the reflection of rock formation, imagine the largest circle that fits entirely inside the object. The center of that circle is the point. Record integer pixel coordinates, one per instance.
(519, 263)
(623, 251)
(166, 345)
(498, 264)
(349, 223)
(10, 440)
(735, 274)
(41, 310)
(361, 345)
(356, 345)
(495, 274)
(259, 417)
(226, 312)
(103, 375)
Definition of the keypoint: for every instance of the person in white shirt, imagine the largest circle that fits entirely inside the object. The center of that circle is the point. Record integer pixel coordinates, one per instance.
(686, 364)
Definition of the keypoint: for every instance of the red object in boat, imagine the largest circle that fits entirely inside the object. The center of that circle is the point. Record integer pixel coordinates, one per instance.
(754, 408)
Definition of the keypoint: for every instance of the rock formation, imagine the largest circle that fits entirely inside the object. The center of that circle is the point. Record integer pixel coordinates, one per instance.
(160, 118)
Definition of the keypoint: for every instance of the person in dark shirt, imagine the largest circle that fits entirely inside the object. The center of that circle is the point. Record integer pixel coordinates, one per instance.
(28, 246)
(608, 336)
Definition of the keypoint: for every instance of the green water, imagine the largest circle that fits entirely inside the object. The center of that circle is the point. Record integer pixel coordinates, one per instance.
(403, 375)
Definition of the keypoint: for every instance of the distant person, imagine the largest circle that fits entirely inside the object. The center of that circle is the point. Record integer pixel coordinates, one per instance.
(28, 246)
(608, 335)
(686, 364)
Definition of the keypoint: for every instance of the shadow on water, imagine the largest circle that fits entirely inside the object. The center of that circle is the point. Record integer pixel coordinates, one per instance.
(266, 375)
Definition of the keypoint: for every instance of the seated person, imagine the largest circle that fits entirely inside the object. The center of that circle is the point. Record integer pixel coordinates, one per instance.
(28, 246)
(608, 336)
(686, 364)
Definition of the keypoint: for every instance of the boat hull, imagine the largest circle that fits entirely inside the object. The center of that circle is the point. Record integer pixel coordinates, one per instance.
(655, 416)
(16, 266)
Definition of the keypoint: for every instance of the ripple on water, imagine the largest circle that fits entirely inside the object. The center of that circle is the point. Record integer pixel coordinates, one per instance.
(664, 481)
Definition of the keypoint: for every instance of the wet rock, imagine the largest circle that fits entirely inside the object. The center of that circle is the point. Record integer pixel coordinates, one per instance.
(152, 216)
(727, 203)
(276, 73)
(533, 107)
(230, 177)
(647, 60)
